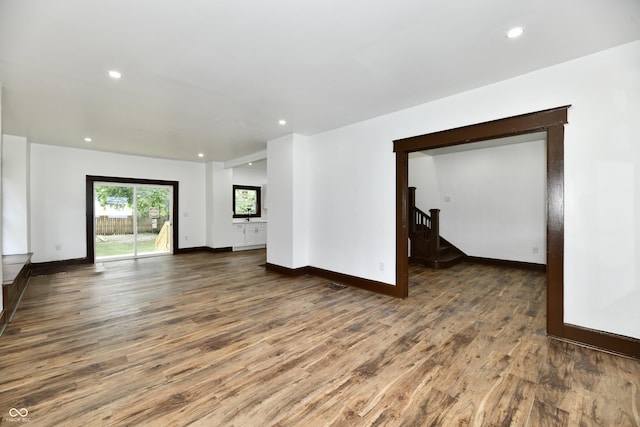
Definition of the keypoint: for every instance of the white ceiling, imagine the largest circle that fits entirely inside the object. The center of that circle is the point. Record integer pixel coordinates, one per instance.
(215, 76)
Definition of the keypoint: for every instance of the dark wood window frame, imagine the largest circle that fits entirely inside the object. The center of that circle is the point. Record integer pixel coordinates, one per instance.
(258, 190)
(92, 179)
(552, 122)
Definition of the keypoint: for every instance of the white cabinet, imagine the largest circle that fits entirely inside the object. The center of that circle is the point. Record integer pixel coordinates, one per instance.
(249, 234)
(255, 234)
(238, 235)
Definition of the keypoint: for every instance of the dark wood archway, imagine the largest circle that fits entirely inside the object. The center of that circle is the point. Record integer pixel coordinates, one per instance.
(552, 122)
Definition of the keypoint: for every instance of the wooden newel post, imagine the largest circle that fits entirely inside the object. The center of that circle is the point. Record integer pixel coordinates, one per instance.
(434, 239)
(411, 203)
(412, 197)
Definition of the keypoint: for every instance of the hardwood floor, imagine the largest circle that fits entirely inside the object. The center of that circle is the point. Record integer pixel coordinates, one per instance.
(208, 339)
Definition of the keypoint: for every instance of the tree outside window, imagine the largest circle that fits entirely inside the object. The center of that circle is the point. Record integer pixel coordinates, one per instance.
(246, 201)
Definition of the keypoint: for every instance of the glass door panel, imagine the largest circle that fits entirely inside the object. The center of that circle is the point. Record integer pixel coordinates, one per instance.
(114, 226)
(132, 221)
(153, 220)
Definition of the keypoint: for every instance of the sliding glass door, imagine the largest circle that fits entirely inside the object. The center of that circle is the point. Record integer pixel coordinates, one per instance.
(132, 220)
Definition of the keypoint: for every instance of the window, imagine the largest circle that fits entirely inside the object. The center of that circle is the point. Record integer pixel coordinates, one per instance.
(246, 201)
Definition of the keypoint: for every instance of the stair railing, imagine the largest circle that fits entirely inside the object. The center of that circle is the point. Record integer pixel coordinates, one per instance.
(425, 225)
(420, 222)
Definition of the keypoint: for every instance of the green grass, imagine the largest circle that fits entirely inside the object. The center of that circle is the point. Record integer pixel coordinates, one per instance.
(123, 244)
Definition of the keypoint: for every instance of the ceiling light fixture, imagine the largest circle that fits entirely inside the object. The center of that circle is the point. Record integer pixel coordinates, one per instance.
(250, 164)
(115, 74)
(200, 154)
(282, 122)
(87, 139)
(515, 32)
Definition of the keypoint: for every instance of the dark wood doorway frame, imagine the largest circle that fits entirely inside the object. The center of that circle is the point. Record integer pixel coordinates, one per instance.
(552, 122)
(92, 179)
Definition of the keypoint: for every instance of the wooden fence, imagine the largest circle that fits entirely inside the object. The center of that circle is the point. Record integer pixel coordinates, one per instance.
(106, 226)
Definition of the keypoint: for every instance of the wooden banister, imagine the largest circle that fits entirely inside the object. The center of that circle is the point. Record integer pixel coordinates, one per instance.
(434, 241)
(426, 245)
(420, 222)
(424, 225)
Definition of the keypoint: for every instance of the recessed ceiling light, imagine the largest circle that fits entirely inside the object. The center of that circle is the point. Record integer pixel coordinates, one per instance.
(515, 32)
(250, 164)
(87, 139)
(200, 154)
(115, 74)
(282, 122)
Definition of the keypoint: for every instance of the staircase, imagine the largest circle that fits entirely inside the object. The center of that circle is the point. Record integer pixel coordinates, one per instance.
(427, 245)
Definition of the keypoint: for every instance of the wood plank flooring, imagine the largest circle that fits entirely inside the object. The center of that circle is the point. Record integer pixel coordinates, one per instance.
(207, 339)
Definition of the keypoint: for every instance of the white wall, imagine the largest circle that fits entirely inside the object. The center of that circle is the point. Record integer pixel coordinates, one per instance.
(15, 195)
(352, 181)
(287, 174)
(280, 177)
(219, 206)
(300, 199)
(494, 201)
(249, 175)
(58, 196)
(352, 201)
(422, 175)
(1, 207)
(219, 199)
(255, 176)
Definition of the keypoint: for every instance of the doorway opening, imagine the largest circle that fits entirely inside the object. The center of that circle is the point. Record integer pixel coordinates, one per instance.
(550, 121)
(486, 199)
(130, 218)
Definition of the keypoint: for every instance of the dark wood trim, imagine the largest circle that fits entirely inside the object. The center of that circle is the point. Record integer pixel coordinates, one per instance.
(91, 179)
(218, 250)
(258, 191)
(601, 340)
(358, 282)
(551, 121)
(11, 310)
(223, 249)
(60, 263)
(555, 230)
(3, 321)
(293, 272)
(402, 224)
(89, 220)
(506, 263)
(203, 249)
(16, 270)
(53, 267)
(510, 126)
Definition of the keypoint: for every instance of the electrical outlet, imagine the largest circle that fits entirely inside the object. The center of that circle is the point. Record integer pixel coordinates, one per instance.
(381, 266)
(535, 249)
(58, 248)
(447, 199)
(186, 238)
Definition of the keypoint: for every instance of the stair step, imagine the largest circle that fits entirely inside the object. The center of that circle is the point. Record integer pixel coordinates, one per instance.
(448, 257)
(445, 261)
(444, 249)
